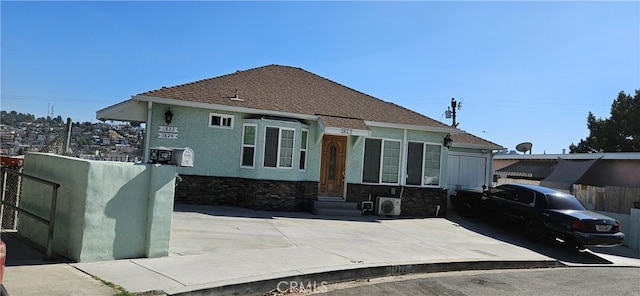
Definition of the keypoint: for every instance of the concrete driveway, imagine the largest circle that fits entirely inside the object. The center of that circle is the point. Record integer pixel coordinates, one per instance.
(227, 250)
(235, 250)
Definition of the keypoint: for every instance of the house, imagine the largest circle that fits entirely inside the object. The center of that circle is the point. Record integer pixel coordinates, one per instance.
(279, 138)
(561, 171)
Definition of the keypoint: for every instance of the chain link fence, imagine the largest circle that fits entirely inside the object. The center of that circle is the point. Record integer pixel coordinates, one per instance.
(12, 187)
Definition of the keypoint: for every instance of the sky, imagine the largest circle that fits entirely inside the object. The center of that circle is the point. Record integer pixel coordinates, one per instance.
(522, 71)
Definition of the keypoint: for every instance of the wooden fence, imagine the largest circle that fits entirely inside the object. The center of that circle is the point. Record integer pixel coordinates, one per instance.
(610, 198)
(607, 199)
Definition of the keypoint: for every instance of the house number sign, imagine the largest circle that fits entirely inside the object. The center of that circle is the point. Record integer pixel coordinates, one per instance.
(346, 131)
(167, 132)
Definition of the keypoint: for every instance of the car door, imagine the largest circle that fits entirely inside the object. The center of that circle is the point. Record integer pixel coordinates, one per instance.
(521, 204)
(495, 200)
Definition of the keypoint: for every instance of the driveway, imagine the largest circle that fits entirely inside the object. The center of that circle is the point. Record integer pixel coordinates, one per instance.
(512, 234)
(373, 239)
(228, 250)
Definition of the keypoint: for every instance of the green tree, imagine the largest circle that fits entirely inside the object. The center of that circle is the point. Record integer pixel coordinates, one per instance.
(619, 133)
(12, 118)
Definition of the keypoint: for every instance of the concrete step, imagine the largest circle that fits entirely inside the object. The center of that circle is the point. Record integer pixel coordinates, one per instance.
(331, 198)
(335, 205)
(336, 212)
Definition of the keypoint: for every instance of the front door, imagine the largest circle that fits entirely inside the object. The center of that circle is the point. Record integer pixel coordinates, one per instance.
(334, 152)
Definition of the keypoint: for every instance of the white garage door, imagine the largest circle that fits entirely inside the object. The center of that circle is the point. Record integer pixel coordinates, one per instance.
(466, 172)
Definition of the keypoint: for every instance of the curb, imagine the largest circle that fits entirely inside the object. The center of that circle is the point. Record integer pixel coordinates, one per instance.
(338, 276)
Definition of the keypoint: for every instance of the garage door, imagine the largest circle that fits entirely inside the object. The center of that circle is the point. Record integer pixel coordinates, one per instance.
(466, 171)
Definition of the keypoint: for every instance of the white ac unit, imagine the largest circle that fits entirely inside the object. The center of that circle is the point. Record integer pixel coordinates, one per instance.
(388, 206)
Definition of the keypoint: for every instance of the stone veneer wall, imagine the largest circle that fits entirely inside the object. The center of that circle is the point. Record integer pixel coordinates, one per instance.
(416, 201)
(263, 195)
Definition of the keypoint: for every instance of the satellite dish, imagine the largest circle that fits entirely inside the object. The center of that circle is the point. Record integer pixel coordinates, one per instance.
(524, 147)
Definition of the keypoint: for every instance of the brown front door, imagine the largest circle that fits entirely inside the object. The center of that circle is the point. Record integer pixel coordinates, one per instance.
(334, 151)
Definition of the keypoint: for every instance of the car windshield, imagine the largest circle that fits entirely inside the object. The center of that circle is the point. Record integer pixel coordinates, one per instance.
(564, 202)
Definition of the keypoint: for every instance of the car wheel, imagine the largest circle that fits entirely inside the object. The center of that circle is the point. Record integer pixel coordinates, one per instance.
(465, 207)
(534, 230)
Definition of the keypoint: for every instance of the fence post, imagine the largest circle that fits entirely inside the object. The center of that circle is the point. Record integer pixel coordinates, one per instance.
(52, 220)
(4, 186)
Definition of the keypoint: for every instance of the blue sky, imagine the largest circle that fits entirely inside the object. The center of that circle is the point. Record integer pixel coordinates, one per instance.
(524, 71)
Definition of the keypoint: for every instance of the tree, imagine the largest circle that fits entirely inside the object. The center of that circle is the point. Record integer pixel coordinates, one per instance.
(619, 133)
(13, 117)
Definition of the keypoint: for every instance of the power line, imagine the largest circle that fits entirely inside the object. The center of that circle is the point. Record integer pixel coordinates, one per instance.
(60, 99)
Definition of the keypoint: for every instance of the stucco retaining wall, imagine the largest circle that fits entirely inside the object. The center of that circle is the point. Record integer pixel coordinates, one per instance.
(106, 210)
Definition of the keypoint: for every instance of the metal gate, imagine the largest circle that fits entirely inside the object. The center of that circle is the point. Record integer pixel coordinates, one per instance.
(11, 212)
(11, 188)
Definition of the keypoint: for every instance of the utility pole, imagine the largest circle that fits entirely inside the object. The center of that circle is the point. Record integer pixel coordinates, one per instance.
(451, 111)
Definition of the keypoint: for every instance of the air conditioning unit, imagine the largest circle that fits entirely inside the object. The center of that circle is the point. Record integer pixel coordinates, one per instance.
(388, 206)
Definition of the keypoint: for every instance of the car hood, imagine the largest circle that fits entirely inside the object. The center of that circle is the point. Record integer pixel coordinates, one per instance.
(584, 215)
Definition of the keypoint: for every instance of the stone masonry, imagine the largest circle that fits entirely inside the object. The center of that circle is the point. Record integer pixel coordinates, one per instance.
(416, 201)
(263, 195)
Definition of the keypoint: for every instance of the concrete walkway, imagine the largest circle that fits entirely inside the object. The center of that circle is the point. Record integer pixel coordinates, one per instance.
(231, 250)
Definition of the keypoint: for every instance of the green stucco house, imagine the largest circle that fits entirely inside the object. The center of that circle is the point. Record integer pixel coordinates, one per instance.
(281, 138)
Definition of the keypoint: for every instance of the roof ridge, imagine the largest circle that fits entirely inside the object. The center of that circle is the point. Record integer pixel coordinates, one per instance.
(370, 96)
(221, 76)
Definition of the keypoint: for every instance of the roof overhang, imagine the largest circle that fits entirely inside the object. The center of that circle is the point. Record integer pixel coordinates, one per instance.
(573, 156)
(532, 170)
(343, 126)
(118, 111)
(129, 110)
(566, 173)
(135, 109)
(478, 146)
(444, 130)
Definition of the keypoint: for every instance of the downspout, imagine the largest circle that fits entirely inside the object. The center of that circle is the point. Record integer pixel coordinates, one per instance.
(147, 131)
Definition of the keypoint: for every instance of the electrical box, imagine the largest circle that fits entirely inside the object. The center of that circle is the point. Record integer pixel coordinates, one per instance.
(182, 157)
(160, 155)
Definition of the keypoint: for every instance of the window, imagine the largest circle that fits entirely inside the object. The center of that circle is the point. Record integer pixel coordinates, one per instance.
(390, 162)
(220, 121)
(414, 163)
(303, 150)
(278, 147)
(423, 164)
(381, 161)
(248, 145)
(504, 192)
(525, 197)
(432, 164)
(371, 166)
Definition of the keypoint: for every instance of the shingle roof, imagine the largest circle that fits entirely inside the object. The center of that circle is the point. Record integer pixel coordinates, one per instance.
(467, 138)
(292, 90)
(534, 169)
